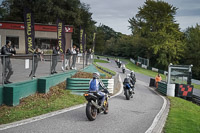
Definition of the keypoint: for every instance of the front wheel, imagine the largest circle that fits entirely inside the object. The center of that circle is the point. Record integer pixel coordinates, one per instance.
(127, 94)
(91, 111)
(106, 108)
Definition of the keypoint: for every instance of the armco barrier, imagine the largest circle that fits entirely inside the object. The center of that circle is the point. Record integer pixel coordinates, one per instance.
(162, 88)
(46, 82)
(82, 85)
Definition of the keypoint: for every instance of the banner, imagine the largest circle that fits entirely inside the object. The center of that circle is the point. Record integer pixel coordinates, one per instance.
(29, 31)
(61, 35)
(94, 39)
(82, 40)
(85, 42)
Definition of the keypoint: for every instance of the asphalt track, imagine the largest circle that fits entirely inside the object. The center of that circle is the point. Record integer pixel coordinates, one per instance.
(125, 116)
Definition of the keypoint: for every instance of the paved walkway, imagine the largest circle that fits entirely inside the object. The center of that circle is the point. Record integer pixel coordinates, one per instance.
(21, 74)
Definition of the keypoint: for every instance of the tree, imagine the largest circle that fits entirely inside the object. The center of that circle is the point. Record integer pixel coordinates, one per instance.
(192, 51)
(155, 25)
(72, 12)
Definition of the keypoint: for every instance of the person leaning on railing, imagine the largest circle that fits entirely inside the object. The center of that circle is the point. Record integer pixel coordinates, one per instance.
(37, 57)
(8, 51)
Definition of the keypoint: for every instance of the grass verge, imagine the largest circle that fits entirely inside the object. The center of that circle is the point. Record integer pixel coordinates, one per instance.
(102, 61)
(57, 98)
(138, 69)
(184, 117)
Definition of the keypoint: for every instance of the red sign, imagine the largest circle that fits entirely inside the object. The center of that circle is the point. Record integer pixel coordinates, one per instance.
(18, 26)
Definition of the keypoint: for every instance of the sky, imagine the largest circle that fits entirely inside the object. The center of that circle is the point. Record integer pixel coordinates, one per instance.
(116, 13)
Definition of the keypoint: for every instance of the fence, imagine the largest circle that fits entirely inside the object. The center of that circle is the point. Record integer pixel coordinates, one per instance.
(31, 66)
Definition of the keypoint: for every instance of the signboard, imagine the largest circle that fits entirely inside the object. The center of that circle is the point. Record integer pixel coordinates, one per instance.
(38, 27)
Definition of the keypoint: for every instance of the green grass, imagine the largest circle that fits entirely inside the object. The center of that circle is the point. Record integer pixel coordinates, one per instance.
(196, 86)
(184, 117)
(100, 61)
(103, 61)
(138, 69)
(39, 104)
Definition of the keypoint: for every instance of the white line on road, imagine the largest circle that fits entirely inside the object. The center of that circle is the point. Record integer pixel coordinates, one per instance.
(37, 118)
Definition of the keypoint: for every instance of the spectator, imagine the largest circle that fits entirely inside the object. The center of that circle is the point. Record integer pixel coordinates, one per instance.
(67, 59)
(88, 55)
(158, 78)
(8, 51)
(37, 57)
(54, 59)
(74, 55)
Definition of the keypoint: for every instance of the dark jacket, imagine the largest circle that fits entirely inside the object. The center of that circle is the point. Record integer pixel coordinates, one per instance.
(7, 51)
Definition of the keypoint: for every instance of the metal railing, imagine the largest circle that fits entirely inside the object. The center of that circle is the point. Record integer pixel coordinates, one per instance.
(30, 66)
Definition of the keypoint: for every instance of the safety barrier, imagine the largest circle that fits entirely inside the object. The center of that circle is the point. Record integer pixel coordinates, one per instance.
(80, 85)
(162, 88)
(11, 94)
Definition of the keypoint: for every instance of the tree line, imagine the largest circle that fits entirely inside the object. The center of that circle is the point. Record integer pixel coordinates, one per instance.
(155, 33)
(156, 36)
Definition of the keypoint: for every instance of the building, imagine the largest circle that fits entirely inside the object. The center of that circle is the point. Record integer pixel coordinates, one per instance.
(45, 35)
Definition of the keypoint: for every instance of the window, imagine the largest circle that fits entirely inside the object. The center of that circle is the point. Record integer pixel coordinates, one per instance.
(44, 43)
(14, 40)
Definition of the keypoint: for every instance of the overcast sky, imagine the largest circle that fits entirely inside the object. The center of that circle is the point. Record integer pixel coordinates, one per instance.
(116, 13)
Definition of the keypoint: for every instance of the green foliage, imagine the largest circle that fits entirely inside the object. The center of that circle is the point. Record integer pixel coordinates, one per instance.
(154, 25)
(183, 117)
(192, 51)
(72, 12)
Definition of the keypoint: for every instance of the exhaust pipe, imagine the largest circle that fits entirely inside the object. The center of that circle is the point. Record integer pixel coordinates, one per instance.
(95, 104)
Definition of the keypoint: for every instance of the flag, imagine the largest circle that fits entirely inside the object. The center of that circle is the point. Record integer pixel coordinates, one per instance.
(61, 35)
(82, 39)
(29, 31)
(94, 39)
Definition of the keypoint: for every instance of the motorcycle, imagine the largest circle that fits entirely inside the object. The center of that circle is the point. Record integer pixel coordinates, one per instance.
(93, 107)
(128, 91)
(123, 70)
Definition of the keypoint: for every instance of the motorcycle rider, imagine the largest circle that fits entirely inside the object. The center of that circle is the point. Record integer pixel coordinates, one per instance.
(123, 67)
(95, 83)
(132, 75)
(129, 83)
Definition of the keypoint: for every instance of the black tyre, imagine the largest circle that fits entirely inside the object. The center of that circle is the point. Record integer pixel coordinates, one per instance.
(91, 112)
(127, 94)
(106, 108)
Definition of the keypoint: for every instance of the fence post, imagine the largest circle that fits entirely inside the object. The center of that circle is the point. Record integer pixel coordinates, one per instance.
(50, 63)
(3, 67)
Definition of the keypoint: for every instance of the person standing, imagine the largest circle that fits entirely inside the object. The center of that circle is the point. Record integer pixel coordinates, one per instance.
(74, 55)
(54, 59)
(158, 78)
(67, 60)
(8, 51)
(88, 55)
(37, 57)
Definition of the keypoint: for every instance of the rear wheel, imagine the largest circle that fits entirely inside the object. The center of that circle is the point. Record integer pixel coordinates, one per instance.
(127, 94)
(91, 112)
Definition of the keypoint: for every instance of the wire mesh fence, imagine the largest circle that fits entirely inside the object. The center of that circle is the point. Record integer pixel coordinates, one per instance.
(20, 68)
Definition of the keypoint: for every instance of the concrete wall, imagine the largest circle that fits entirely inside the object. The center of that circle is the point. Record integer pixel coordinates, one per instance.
(38, 34)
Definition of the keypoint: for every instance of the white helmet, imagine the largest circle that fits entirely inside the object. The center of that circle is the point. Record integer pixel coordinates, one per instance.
(96, 75)
(132, 72)
(128, 75)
